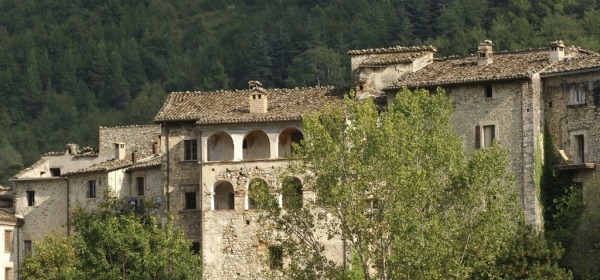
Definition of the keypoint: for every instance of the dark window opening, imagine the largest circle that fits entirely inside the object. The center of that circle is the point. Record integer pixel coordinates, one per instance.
(27, 247)
(190, 200)
(275, 257)
(190, 149)
(488, 91)
(140, 185)
(244, 144)
(579, 149)
(195, 248)
(55, 172)
(30, 198)
(224, 197)
(92, 189)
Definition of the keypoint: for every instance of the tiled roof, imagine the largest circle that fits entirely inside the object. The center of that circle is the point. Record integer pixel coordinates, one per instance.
(392, 58)
(111, 164)
(396, 49)
(38, 163)
(505, 66)
(146, 163)
(448, 71)
(233, 106)
(53, 154)
(574, 64)
(103, 166)
(7, 217)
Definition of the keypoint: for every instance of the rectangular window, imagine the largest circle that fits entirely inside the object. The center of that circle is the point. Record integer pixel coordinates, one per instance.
(8, 241)
(577, 94)
(27, 247)
(30, 198)
(91, 189)
(55, 172)
(579, 148)
(140, 185)
(275, 257)
(8, 273)
(488, 91)
(190, 200)
(190, 149)
(489, 135)
(195, 248)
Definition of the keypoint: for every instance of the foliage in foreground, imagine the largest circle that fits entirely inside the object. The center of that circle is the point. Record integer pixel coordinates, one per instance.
(397, 188)
(115, 242)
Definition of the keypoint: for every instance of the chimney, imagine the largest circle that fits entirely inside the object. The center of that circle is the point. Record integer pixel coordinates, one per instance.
(73, 149)
(258, 98)
(557, 51)
(485, 53)
(134, 156)
(119, 150)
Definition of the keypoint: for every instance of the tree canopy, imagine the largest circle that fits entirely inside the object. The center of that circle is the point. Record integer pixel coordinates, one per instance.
(397, 188)
(106, 63)
(117, 241)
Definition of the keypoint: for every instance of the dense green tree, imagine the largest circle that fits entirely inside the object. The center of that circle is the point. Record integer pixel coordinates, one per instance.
(398, 189)
(117, 241)
(316, 67)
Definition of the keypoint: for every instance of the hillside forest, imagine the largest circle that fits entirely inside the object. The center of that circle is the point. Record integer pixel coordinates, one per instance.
(69, 66)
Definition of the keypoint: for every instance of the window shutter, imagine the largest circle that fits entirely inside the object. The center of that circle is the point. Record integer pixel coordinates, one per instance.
(477, 137)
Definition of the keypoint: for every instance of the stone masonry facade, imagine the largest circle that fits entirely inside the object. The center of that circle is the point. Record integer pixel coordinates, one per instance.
(207, 149)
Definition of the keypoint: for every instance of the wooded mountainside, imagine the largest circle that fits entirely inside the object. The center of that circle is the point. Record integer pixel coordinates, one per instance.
(69, 66)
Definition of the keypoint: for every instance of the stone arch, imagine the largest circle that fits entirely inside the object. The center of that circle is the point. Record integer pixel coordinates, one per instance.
(255, 183)
(256, 145)
(292, 193)
(224, 198)
(220, 147)
(286, 139)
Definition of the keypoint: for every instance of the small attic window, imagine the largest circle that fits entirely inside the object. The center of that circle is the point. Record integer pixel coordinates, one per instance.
(55, 172)
(481, 54)
(489, 93)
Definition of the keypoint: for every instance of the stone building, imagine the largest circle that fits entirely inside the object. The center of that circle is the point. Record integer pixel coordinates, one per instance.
(208, 148)
(46, 192)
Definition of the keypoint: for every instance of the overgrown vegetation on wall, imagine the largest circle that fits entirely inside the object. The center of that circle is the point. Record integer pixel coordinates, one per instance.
(399, 190)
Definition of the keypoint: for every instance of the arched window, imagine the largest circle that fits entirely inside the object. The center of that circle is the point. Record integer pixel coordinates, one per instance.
(220, 147)
(292, 193)
(259, 195)
(224, 197)
(256, 145)
(287, 138)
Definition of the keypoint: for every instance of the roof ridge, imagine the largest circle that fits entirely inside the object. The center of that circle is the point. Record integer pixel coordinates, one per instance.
(394, 49)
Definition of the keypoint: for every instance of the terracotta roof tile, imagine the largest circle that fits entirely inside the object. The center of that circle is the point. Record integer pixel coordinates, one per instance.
(574, 64)
(146, 163)
(392, 58)
(7, 217)
(396, 49)
(110, 165)
(103, 166)
(505, 66)
(233, 106)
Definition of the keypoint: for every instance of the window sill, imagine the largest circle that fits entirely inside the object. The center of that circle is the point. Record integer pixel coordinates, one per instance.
(189, 160)
(576, 105)
(577, 166)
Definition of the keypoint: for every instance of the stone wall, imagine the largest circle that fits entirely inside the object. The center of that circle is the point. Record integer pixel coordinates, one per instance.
(135, 137)
(564, 119)
(50, 211)
(515, 112)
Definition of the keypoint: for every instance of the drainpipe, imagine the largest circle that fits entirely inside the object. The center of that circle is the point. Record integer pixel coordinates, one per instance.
(168, 169)
(68, 206)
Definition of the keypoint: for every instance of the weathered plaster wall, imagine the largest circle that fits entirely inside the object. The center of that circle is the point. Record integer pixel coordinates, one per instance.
(50, 211)
(231, 248)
